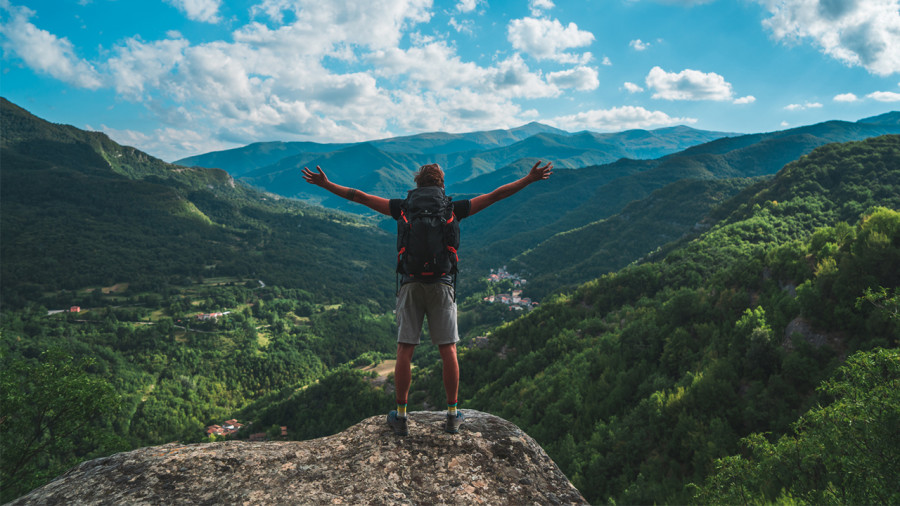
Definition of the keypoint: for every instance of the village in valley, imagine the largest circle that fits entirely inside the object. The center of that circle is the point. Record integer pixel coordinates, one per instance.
(514, 300)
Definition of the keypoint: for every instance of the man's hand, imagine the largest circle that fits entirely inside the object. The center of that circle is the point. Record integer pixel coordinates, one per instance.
(318, 179)
(377, 204)
(538, 173)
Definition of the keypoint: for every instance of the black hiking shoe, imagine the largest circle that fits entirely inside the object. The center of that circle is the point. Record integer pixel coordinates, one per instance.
(399, 424)
(453, 422)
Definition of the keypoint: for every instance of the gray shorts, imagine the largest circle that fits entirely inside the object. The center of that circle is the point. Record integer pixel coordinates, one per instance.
(418, 300)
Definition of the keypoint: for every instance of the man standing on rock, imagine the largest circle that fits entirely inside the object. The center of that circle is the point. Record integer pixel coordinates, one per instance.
(430, 294)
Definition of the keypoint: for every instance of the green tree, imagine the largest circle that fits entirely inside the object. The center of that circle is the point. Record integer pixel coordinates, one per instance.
(48, 409)
(847, 452)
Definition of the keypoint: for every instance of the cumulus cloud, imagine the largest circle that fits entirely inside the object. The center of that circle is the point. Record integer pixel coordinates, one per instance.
(749, 99)
(580, 78)
(617, 118)
(606, 61)
(435, 67)
(862, 33)
(538, 6)
(466, 5)
(549, 39)
(884, 96)
(688, 85)
(373, 23)
(632, 88)
(137, 65)
(846, 97)
(639, 45)
(206, 11)
(802, 107)
(270, 82)
(43, 51)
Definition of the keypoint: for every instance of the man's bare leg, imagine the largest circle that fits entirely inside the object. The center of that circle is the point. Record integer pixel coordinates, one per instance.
(451, 372)
(403, 372)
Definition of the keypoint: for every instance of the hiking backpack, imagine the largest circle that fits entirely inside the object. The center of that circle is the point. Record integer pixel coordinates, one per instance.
(427, 235)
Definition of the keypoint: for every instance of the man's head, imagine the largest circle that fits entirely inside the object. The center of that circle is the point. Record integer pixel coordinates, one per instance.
(430, 175)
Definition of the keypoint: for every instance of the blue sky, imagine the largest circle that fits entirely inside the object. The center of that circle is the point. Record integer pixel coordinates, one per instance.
(182, 77)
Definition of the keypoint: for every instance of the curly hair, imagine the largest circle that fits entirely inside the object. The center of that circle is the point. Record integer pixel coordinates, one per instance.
(430, 175)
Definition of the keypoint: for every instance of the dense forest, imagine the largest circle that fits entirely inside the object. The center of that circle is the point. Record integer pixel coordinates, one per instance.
(637, 382)
(746, 352)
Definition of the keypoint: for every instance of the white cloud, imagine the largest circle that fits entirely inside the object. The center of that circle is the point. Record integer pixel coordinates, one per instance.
(845, 97)
(466, 5)
(639, 45)
(137, 65)
(206, 11)
(862, 33)
(632, 88)
(580, 78)
(884, 96)
(43, 51)
(749, 99)
(512, 78)
(270, 82)
(606, 61)
(372, 23)
(617, 118)
(435, 67)
(688, 85)
(538, 6)
(547, 39)
(464, 26)
(802, 107)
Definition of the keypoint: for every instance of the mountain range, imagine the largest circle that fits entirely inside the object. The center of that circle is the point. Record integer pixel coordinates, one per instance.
(386, 166)
(596, 176)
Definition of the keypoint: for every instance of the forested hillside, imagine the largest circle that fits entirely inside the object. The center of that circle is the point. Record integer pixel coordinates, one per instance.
(636, 382)
(573, 257)
(143, 301)
(80, 211)
(579, 198)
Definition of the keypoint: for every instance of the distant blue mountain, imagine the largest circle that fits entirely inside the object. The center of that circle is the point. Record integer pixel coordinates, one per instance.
(474, 162)
(889, 118)
(240, 161)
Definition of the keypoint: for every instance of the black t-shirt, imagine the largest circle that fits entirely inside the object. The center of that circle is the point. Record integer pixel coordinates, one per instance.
(460, 210)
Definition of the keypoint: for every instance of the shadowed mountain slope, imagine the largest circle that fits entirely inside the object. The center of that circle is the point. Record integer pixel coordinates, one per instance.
(80, 210)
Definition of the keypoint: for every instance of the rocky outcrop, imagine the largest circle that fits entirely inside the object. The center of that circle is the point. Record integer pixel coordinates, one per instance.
(491, 461)
(812, 336)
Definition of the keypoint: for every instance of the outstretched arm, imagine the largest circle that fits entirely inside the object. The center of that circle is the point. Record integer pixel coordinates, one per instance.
(537, 173)
(377, 204)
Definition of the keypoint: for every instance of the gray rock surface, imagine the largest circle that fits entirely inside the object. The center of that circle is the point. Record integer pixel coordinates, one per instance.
(491, 461)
